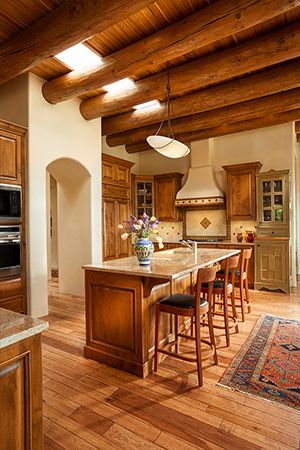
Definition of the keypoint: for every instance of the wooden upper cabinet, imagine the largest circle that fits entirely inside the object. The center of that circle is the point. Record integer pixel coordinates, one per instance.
(11, 157)
(273, 203)
(116, 171)
(166, 187)
(241, 190)
(116, 205)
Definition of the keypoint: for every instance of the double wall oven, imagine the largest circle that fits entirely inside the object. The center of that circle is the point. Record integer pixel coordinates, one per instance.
(10, 230)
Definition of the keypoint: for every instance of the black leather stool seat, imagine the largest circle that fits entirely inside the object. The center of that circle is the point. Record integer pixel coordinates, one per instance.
(222, 272)
(218, 284)
(182, 301)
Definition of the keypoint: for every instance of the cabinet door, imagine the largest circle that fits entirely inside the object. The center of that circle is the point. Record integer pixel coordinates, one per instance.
(114, 212)
(10, 158)
(122, 214)
(271, 263)
(273, 203)
(166, 188)
(241, 196)
(109, 229)
(14, 395)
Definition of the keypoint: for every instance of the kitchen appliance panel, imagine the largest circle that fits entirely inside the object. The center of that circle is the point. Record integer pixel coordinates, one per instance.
(10, 203)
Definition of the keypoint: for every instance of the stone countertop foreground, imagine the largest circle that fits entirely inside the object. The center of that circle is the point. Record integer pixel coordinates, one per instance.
(15, 327)
(168, 264)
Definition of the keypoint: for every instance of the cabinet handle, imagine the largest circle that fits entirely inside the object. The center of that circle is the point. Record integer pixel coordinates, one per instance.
(258, 245)
(6, 370)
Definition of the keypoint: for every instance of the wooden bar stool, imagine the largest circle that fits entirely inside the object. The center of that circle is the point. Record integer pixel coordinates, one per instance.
(241, 276)
(195, 307)
(223, 288)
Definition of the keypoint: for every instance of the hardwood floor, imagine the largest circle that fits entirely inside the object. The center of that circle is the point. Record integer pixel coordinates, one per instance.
(88, 405)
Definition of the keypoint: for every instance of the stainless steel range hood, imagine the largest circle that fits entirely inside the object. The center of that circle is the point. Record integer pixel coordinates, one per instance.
(201, 188)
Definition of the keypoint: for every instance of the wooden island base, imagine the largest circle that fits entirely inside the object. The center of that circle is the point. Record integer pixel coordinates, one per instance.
(121, 318)
(120, 305)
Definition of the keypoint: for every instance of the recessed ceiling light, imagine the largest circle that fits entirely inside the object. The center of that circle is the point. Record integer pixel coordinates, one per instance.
(78, 57)
(150, 104)
(119, 85)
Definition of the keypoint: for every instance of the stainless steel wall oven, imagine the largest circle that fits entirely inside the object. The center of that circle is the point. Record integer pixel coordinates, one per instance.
(10, 250)
(10, 203)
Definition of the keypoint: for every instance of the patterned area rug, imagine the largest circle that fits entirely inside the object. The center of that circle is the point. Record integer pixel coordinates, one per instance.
(268, 364)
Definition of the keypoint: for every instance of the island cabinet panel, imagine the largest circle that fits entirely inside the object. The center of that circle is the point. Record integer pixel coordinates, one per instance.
(21, 395)
(10, 157)
(241, 190)
(120, 318)
(166, 187)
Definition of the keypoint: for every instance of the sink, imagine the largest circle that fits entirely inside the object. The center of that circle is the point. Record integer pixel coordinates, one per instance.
(182, 250)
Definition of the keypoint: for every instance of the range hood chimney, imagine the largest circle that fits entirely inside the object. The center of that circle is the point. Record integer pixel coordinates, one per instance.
(201, 188)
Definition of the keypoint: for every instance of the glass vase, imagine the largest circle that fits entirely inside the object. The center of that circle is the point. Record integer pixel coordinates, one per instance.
(143, 249)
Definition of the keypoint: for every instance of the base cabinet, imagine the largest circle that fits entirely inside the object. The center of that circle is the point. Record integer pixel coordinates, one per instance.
(21, 395)
(272, 264)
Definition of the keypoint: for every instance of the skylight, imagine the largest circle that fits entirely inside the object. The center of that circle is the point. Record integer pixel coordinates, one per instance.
(118, 86)
(150, 104)
(78, 57)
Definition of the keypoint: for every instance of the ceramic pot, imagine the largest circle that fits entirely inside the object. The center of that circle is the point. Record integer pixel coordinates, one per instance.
(239, 237)
(144, 249)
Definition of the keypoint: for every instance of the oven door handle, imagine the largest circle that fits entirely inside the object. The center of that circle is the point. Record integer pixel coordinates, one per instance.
(10, 240)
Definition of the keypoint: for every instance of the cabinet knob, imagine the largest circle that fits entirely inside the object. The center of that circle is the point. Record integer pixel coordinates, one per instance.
(258, 245)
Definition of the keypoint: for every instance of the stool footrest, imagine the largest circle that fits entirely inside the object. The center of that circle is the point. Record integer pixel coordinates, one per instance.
(176, 355)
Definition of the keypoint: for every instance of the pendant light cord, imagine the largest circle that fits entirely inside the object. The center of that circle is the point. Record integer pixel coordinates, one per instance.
(168, 109)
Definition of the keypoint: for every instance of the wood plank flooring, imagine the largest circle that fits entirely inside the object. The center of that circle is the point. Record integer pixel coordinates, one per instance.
(88, 405)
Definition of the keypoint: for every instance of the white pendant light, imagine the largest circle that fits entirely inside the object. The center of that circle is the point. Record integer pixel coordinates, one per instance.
(168, 145)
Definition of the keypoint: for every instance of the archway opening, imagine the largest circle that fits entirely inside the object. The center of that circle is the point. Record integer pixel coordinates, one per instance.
(69, 223)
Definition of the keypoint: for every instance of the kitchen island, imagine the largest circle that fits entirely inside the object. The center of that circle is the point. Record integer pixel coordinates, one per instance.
(120, 304)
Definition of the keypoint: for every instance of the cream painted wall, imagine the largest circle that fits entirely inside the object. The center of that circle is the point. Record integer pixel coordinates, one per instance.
(120, 152)
(56, 131)
(74, 226)
(53, 215)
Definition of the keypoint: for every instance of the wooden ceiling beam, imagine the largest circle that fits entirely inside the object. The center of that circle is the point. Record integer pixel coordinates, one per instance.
(73, 22)
(267, 82)
(252, 109)
(220, 20)
(225, 129)
(273, 48)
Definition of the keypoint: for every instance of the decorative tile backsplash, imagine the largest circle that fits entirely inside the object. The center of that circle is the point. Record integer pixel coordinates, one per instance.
(215, 224)
(241, 227)
(170, 231)
(206, 223)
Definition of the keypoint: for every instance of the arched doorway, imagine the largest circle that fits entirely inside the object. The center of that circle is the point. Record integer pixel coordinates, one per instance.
(69, 223)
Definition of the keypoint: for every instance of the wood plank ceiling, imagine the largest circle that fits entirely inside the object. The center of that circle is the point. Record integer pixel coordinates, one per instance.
(234, 65)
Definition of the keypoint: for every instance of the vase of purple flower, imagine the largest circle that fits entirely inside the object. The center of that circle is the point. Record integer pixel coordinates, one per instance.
(141, 229)
(143, 248)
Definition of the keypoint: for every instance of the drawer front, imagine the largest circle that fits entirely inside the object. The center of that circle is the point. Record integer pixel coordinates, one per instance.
(10, 288)
(114, 191)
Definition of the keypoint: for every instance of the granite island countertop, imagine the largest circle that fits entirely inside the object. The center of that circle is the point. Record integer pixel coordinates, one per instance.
(168, 264)
(15, 327)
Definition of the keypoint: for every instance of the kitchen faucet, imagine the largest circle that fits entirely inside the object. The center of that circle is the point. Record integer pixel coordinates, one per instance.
(190, 244)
